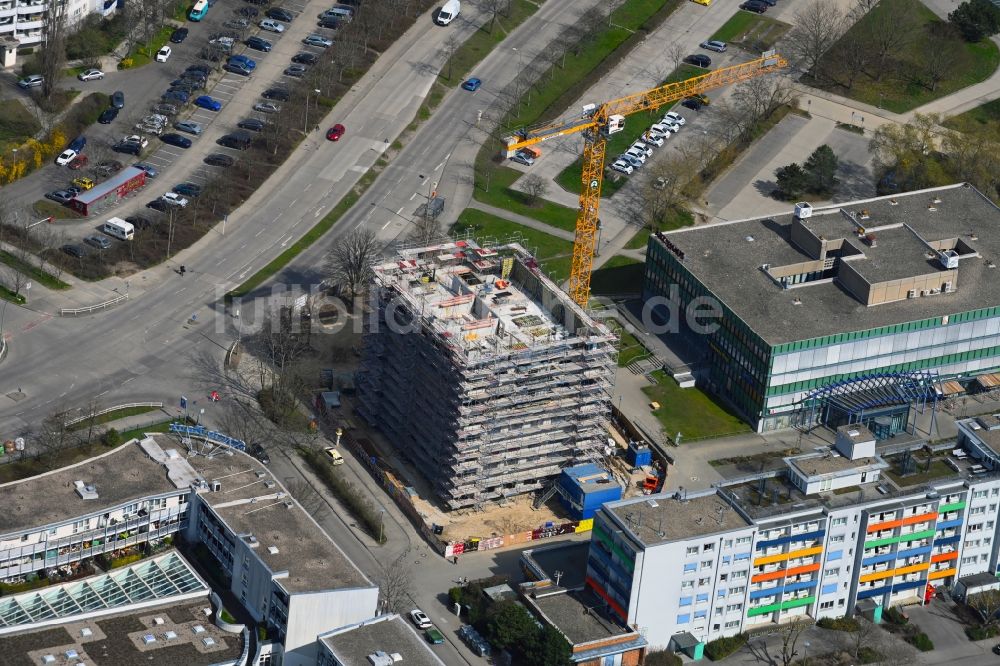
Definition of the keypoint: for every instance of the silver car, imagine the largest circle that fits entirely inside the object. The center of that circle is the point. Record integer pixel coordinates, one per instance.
(188, 126)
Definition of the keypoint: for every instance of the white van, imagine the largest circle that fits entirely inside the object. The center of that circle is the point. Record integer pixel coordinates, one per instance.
(342, 12)
(119, 228)
(448, 13)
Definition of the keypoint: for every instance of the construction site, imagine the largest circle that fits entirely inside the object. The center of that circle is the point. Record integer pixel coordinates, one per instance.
(482, 373)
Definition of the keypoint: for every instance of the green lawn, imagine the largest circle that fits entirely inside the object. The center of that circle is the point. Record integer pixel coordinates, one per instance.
(691, 412)
(142, 54)
(937, 470)
(902, 86)
(554, 254)
(35, 273)
(570, 178)
(629, 349)
(16, 124)
(754, 31)
(985, 114)
(484, 40)
(675, 220)
(113, 416)
(619, 275)
(502, 195)
(46, 208)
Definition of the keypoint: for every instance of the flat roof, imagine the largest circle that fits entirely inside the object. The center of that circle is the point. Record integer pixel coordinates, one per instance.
(830, 462)
(580, 615)
(483, 299)
(110, 185)
(121, 640)
(389, 633)
(660, 518)
(727, 258)
(569, 558)
(121, 475)
(252, 501)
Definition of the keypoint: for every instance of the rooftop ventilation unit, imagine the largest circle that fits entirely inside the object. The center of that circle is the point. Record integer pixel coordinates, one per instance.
(273, 550)
(208, 641)
(381, 658)
(86, 491)
(216, 486)
(948, 259)
(803, 210)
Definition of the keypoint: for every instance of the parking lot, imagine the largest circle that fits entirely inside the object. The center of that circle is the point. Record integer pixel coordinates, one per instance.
(143, 88)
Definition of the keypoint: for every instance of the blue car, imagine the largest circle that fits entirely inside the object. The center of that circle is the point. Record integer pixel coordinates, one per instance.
(176, 140)
(78, 144)
(472, 85)
(207, 102)
(243, 61)
(175, 96)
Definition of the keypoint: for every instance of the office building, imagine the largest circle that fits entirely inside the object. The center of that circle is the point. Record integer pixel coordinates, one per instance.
(290, 577)
(855, 313)
(832, 534)
(482, 373)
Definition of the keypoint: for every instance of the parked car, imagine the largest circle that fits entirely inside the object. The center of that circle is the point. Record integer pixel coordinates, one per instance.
(328, 22)
(163, 54)
(174, 199)
(78, 144)
(74, 190)
(258, 44)
(90, 75)
(698, 60)
(136, 139)
(248, 12)
(176, 140)
(66, 156)
(641, 147)
(420, 619)
(237, 24)
(178, 35)
(317, 40)
(472, 85)
(74, 251)
(280, 14)
(433, 636)
(622, 166)
(692, 103)
(139, 222)
(127, 148)
(188, 126)
(165, 109)
(77, 163)
(523, 158)
(151, 171)
(714, 45)
(60, 196)
(236, 68)
(203, 69)
(178, 96)
(272, 26)
(258, 452)
(672, 117)
(33, 81)
(664, 130)
(220, 160)
(153, 129)
(100, 242)
(83, 183)
(653, 138)
(240, 140)
(305, 58)
(758, 6)
(252, 124)
(296, 71)
(108, 115)
(249, 63)
(631, 160)
(188, 189)
(206, 102)
(335, 132)
(279, 94)
(159, 204)
(108, 168)
(267, 107)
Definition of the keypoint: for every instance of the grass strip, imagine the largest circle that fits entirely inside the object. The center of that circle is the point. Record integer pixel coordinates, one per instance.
(114, 415)
(482, 42)
(35, 273)
(347, 492)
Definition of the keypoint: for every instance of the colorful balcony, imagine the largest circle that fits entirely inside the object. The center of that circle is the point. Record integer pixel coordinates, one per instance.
(908, 520)
(781, 557)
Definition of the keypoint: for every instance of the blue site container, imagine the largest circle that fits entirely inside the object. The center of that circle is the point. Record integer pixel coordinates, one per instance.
(639, 455)
(584, 488)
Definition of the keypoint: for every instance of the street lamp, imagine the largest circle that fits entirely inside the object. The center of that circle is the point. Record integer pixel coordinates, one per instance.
(381, 520)
(805, 655)
(305, 129)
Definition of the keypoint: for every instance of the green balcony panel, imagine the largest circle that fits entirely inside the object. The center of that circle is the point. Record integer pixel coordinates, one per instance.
(875, 543)
(945, 508)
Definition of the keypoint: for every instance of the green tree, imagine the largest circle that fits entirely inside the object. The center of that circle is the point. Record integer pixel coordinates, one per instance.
(976, 19)
(793, 180)
(549, 648)
(821, 169)
(510, 626)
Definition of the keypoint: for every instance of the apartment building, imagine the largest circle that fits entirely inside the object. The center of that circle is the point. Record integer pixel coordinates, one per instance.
(285, 570)
(829, 535)
(24, 20)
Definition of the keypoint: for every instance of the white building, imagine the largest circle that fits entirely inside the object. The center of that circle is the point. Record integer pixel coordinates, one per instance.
(24, 20)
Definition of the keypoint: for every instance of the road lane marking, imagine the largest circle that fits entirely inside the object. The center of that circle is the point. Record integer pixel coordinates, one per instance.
(413, 196)
(293, 203)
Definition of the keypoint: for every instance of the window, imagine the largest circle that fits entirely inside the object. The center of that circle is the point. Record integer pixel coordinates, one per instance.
(684, 619)
(702, 582)
(690, 567)
(718, 610)
(726, 559)
(839, 538)
(739, 557)
(701, 598)
(732, 608)
(684, 601)
(977, 510)
(737, 590)
(835, 571)
(837, 522)
(687, 584)
(975, 527)
(744, 541)
(728, 543)
(708, 547)
(700, 615)
(834, 555)
(724, 577)
(969, 560)
(979, 494)
(739, 574)
(722, 592)
(692, 550)
(707, 564)
(732, 624)
(826, 604)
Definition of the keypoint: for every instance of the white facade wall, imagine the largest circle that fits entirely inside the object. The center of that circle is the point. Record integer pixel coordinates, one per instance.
(314, 613)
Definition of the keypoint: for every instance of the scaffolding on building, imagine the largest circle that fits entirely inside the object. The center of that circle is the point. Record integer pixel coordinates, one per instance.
(482, 373)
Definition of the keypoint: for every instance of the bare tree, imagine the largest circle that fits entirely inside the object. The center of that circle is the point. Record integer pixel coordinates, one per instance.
(663, 191)
(426, 230)
(395, 582)
(790, 636)
(306, 495)
(350, 263)
(754, 100)
(676, 53)
(987, 604)
(53, 54)
(866, 635)
(13, 279)
(534, 187)
(817, 27)
(52, 435)
(888, 31)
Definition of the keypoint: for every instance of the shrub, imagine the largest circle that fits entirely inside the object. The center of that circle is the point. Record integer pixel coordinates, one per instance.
(921, 641)
(895, 616)
(662, 658)
(839, 623)
(226, 616)
(721, 648)
(111, 438)
(867, 655)
(95, 37)
(980, 632)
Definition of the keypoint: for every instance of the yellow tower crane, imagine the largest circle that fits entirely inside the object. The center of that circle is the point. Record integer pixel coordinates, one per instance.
(600, 121)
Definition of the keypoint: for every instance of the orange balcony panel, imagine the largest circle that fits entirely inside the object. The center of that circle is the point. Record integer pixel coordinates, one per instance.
(888, 525)
(782, 573)
(781, 557)
(942, 574)
(878, 575)
(902, 571)
(944, 557)
(924, 517)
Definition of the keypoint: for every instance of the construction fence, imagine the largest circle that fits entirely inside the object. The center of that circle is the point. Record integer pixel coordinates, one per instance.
(547, 531)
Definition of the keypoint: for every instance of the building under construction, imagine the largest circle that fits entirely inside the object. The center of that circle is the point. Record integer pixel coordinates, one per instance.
(482, 372)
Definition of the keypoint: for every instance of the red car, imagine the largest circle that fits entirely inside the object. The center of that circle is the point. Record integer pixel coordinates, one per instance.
(78, 162)
(335, 132)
